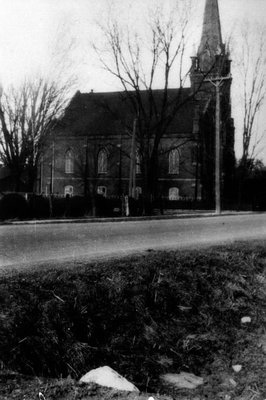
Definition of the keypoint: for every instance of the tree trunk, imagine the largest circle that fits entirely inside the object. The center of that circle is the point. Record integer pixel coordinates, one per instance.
(17, 182)
(149, 182)
(16, 177)
(92, 190)
(32, 175)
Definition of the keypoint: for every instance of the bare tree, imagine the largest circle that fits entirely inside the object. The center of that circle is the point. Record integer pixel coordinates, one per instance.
(139, 69)
(89, 170)
(27, 115)
(28, 111)
(252, 68)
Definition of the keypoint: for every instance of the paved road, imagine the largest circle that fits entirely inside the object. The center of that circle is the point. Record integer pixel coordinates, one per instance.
(24, 244)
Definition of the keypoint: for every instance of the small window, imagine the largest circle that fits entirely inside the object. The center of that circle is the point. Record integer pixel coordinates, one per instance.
(69, 162)
(102, 162)
(173, 193)
(68, 190)
(174, 162)
(102, 190)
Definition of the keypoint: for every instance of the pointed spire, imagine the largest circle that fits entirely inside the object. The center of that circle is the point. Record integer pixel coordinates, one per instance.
(211, 38)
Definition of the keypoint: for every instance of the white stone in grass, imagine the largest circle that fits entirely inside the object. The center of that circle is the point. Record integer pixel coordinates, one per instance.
(233, 382)
(237, 367)
(108, 377)
(183, 380)
(245, 320)
(262, 344)
(151, 398)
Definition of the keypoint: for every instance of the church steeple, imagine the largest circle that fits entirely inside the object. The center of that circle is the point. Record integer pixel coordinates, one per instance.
(211, 43)
(211, 55)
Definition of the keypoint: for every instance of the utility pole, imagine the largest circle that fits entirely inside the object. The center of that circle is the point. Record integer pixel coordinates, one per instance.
(86, 168)
(41, 175)
(217, 81)
(132, 175)
(52, 164)
(119, 146)
(217, 151)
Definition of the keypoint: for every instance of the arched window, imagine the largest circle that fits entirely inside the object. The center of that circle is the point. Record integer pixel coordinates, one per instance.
(138, 192)
(174, 161)
(69, 162)
(68, 190)
(102, 162)
(138, 159)
(173, 193)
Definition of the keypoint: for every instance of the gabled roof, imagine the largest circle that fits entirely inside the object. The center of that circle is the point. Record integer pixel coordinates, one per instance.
(111, 113)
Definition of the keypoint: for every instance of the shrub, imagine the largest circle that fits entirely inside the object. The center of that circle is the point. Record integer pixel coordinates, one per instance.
(104, 206)
(59, 207)
(78, 206)
(39, 206)
(13, 205)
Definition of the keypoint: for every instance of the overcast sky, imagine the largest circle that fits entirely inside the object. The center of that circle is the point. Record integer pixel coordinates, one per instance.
(30, 29)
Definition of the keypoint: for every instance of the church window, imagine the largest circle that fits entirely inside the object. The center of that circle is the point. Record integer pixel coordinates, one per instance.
(68, 191)
(174, 159)
(69, 162)
(138, 192)
(173, 193)
(102, 162)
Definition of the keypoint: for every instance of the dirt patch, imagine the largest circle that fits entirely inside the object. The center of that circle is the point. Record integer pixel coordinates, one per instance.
(164, 312)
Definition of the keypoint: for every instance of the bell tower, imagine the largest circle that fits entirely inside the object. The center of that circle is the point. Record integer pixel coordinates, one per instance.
(210, 70)
(211, 59)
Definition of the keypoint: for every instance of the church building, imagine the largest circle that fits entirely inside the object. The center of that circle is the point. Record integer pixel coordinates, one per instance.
(93, 147)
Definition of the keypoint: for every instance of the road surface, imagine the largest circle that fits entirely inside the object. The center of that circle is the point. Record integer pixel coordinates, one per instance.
(27, 244)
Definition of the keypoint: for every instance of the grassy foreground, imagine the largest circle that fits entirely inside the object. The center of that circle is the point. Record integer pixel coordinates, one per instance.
(143, 316)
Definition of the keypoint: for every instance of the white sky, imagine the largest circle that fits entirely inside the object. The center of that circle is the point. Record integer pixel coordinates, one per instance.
(30, 28)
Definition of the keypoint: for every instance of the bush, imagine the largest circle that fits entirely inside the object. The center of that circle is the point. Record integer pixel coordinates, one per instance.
(187, 204)
(13, 205)
(105, 206)
(78, 206)
(59, 207)
(39, 206)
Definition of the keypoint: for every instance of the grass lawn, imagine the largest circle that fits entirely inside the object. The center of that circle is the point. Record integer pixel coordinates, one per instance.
(143, 316)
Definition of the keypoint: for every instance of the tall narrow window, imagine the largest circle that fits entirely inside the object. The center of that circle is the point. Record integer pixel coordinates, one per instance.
(138, 192)
(138, 169)
(69, 162)
(102, 162)
(174, 161)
